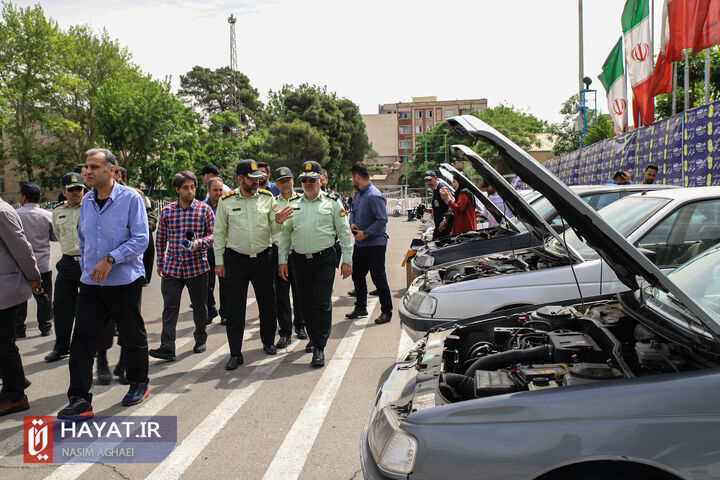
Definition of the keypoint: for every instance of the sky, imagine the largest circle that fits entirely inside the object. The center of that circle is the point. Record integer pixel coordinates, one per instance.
(515, 52)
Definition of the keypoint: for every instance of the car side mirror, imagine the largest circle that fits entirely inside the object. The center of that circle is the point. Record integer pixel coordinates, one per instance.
(650, 254)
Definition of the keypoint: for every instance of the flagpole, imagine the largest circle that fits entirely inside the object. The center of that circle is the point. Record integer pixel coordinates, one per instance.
(652, 41)
(707, 75)
(674, 88)
(686, 83)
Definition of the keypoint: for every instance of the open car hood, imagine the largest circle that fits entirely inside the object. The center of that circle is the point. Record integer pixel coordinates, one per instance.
(621, 256)
(535, 224)
(466, 183)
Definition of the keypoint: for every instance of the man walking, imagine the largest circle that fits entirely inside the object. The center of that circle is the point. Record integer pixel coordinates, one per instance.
(368, 223)
(38, 229)
(215, 191)
(319, 218)
(246, 219)
(65, 218)
(190, 222)
(285, 181)
(112, 235)
(439, 207)
(19, 279)
(211, 171)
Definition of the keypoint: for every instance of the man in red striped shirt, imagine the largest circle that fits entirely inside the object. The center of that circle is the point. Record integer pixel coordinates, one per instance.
(185, 228)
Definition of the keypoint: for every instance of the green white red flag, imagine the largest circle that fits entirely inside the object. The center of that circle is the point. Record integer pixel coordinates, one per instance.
(613, 79)
(639, 62)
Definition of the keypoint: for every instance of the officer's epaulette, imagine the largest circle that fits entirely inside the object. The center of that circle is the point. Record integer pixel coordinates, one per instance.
(294, 197)
(332, 195)
(266, 192)
(61, 204)
(229, 194)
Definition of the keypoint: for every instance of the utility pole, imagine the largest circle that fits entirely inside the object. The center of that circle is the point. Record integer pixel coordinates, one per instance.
(233, 61)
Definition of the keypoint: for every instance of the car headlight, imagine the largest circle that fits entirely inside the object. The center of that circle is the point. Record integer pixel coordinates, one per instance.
(422, 304)
(423, 260)
(393, 449)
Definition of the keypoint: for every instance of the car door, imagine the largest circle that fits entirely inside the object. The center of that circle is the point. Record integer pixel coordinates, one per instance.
(686, 232)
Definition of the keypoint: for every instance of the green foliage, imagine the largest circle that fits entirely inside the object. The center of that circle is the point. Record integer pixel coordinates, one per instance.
(212, 92)
(565, 133)
(439, 138)
(663, 103)
(293, 143)
(600, 129)
(222, 149)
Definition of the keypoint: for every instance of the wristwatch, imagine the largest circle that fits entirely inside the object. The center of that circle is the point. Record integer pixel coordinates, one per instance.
(110, 259)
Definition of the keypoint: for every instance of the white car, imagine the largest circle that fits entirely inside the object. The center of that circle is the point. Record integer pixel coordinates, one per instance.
(670, 226)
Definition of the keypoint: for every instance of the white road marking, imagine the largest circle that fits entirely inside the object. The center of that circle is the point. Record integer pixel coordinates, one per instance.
(292, 454)
(185, 453)
(405, 343)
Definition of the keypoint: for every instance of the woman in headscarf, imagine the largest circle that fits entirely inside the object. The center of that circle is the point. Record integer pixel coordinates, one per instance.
(462, 206)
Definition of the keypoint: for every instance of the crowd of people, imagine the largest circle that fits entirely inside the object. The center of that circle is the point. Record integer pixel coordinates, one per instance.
(262, 233)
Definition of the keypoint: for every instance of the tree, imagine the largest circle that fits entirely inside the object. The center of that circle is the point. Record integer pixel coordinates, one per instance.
(439, 138)
(33, 81)
(294, 143)
(663, 103)
(150, 130)
(565, 133)
(222, 149)
(212, 92)
(600, 129)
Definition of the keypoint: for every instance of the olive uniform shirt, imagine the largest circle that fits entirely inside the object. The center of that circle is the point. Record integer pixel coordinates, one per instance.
(65, 226)
(314, 226)
(247, 224)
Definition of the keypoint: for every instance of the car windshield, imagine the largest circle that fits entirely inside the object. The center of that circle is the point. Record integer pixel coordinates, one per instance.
(625, 216)
(699, 279)
(541, 205)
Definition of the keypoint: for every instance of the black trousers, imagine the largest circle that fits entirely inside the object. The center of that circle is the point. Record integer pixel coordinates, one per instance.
(96, 306)
(314, 278)
(149, 259)
(11, 367)
(44, 307)
(240, 271)
(282, 300)
(212, 306)
(67, 284)
(371, 259)
(171, 289)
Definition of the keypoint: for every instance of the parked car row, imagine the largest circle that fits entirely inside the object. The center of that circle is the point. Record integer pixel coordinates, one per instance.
(591, 353)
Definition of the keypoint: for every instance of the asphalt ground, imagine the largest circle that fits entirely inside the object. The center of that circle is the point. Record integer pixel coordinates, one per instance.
(272, 418)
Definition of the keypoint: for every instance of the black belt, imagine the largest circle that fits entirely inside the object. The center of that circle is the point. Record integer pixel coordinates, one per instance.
(316, 254)
(72, 257)
(267, 251)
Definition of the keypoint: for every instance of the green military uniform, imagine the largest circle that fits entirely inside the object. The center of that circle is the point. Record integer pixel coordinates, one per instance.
(312, 231)
(149, 254)
(247, 225)
(67, 282)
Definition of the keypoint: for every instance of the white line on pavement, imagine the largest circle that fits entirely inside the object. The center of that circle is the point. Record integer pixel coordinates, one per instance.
(184, 454)
(292, 454)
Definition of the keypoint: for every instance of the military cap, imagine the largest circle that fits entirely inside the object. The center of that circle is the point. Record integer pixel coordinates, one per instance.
(283, 172)
(310, 169)
(249, 168)
(72, 179)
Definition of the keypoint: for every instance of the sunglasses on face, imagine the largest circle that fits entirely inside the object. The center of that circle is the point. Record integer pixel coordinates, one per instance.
(75, 189)
(309, 180)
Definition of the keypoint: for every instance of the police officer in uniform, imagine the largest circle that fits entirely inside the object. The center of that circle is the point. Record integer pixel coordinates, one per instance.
(318, 218)
(247, 218)
(65, 222)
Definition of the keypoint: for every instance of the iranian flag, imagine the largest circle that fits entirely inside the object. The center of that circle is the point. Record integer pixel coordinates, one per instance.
(613, 79)
(636, 39)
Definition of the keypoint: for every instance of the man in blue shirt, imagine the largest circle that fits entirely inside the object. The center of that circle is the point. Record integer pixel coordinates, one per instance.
(368, 222)
(113, 235)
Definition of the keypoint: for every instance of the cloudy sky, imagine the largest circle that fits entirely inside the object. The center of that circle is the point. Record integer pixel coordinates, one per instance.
(518, 52)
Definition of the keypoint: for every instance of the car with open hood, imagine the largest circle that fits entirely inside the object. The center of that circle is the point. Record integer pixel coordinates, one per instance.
(670, 225)
(513, 233)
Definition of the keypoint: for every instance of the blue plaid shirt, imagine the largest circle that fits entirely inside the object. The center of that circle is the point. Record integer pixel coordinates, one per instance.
(173, 223)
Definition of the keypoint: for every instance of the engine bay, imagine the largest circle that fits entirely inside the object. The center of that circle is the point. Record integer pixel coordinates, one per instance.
(551, 347)
(472, 236)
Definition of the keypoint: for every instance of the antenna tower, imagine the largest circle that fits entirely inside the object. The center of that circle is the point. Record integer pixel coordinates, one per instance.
(233, 61)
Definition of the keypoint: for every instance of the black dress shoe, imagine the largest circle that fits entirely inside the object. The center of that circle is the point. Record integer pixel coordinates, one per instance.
(383, 318)
(270, 349)
(54, 356)
(309, 347)
(199, 348)
(211, 316)
(45, 333)
(351, 293)
(223, 320)
(373, 292)
(283, 342)
(300, 333)
(356, 314)
(234, 362)
(318, 358)
(162, 353)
